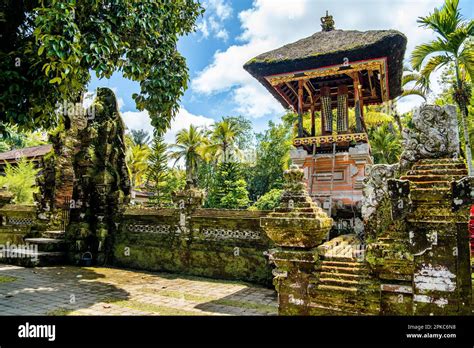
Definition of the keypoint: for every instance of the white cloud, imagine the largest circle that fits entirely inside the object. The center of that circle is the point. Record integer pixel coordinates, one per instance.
(269, 24)
(141, 120)
(217, 12)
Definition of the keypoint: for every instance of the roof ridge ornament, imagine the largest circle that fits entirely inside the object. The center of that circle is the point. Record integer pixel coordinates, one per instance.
(327, 22)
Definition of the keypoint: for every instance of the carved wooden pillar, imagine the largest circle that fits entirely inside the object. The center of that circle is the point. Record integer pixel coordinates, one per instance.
(342, 112)
(313, 123)
(326, 110)
(300, 108)
(357, 103)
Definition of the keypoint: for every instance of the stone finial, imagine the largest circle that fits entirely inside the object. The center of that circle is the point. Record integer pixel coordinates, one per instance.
(298, 221)
(189, 198)
(294, 180)
(327, 22)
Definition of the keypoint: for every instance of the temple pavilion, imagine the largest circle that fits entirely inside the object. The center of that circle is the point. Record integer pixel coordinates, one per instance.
(321, 77)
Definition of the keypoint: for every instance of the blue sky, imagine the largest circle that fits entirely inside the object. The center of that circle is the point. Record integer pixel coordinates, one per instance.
(233, 31)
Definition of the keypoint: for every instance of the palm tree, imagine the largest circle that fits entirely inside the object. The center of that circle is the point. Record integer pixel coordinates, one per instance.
(413, 83)
(136, 157)
(224, 138)
(454, 44)
(140, 137)
(189, 146)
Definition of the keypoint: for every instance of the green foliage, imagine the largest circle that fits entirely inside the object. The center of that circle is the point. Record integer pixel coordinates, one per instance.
(140, 137)
(11, 139)
(20, 180)
(161, 180)
(136, 157)
(268, 201)
(386, 144)
(272, 158)
(453, 45)
(229, 189)
(225, 138)
(49, 49)
(189, 145)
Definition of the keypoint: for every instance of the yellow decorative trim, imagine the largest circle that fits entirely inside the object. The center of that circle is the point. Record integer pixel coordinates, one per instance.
(329, 139)
(373, 65)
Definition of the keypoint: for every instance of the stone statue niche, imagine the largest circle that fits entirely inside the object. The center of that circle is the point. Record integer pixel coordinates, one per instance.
(102, 185)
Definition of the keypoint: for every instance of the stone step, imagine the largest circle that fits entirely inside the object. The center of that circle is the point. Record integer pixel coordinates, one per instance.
(337, 288)
(345, 276)
(430, 194)
(449, 172)
(53, 234)
(326, 308)
(341, 259)
(47, 244)
(445, 166)
(33, 259)
(430, 177)
(42, 240)
(431, 184)
(344, 270)
(342, 263)
(440, 160)
(346, 283)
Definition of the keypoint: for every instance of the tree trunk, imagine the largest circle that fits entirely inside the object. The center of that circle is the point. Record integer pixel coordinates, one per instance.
(464, 113)
(396, 116)
(467, 145)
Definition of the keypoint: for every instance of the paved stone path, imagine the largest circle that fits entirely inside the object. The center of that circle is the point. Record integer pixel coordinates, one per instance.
(110, 291)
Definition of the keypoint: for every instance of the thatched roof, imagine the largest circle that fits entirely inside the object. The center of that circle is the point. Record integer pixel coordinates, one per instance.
(34, 152)
(328, 48)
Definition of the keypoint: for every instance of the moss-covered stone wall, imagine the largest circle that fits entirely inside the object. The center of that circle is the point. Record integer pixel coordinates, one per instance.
(223, 244)
(16, 222)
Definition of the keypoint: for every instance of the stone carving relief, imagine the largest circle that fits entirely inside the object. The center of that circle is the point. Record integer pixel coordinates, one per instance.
(434, 134)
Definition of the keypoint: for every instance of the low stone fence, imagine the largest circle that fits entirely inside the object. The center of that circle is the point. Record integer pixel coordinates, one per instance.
(224, 244)
(15, 222)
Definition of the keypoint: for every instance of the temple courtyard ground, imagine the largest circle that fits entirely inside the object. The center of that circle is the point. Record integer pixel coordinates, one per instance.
(110, 291)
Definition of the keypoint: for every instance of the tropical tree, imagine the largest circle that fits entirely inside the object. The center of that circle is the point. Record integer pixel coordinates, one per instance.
(453, 45)
(223, 140)
(136, 157)
(268, 201)
(19, 179)
(14, 139)
(140, 137)
(229, 188)
(385, 144)
(413, 84)
(158, 173)
(48, 49)
(189, 146)
(272, 159)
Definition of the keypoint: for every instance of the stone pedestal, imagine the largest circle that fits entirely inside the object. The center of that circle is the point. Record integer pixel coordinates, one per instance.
(297, 226)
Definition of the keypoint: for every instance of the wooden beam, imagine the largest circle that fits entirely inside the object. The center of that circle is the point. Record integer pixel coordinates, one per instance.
(300, 108)
(309, 92)
(361, 99)
(372, 89)
(313, 121)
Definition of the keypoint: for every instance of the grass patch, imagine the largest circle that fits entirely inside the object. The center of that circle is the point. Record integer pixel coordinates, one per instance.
(7, 279)
(247, 305)
(59, 312)
(179, 295)
(219, 301)
(152, 308)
